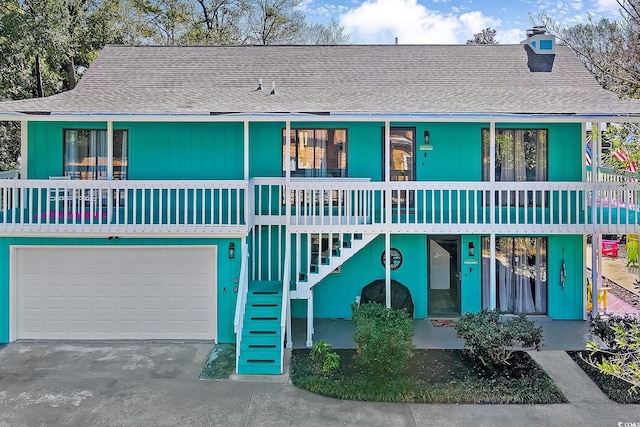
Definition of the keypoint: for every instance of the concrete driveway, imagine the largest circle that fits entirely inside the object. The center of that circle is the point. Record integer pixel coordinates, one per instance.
(155, 384)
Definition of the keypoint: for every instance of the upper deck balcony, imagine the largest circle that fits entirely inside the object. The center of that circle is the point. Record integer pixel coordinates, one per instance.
(219, 208)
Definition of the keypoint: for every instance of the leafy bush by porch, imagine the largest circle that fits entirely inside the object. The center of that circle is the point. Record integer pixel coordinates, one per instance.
(384, 337)
(492, 338)
(614, 367)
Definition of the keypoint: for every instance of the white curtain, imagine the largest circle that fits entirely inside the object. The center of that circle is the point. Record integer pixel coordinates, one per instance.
(521, 274)
(120, 160)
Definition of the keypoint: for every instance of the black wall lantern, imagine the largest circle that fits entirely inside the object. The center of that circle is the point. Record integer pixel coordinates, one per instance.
(472, 250)
(232, 250)
(426, 144)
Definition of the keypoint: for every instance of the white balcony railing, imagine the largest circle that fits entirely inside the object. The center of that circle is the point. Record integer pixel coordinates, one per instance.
(205, 207)
(449, 207)
(233, 207)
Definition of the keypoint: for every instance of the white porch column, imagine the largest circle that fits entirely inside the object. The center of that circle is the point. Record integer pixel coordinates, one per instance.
(24, 149)
(246, 150)
(387, 240)
(493, 290)
(596, 238)
(310, 319)
(248, 197)
(492, 272)
(110, 150)
(288, 326)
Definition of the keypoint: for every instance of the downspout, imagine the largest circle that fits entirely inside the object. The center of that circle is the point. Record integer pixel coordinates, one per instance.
(492, 204)
(387, 240)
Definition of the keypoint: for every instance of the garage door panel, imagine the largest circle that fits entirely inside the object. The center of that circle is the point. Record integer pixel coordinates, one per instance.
(116, 293)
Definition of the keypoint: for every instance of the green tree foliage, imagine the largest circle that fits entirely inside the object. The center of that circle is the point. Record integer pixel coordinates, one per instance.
(46, 45)
(486, 36)
(267, 22)
(625, 147)
(610, 49)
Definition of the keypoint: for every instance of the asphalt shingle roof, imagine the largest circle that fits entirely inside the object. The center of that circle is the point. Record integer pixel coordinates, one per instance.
(386, 79)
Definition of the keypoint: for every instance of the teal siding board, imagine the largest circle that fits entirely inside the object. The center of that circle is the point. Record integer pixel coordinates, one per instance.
(265, 149)
(228, 270)
(334, 295)
(196, 151)
(215, 150)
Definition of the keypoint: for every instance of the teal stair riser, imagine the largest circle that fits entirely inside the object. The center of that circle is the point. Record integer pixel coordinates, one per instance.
(261, 341)
(256, 368)
(273, 339)
(262, 326)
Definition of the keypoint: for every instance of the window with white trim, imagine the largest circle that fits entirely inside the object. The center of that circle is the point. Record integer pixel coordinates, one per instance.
(86, 154)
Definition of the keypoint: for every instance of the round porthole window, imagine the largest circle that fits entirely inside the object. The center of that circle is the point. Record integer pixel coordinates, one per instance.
(395, 257)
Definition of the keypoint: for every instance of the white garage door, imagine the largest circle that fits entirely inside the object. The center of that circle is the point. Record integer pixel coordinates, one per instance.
(115, 293)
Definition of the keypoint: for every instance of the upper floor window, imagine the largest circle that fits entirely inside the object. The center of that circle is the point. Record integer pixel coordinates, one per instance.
(521, 155)
(316, 152)
(86, 154)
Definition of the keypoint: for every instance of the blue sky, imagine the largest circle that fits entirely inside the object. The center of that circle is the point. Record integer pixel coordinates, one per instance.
(448, 21)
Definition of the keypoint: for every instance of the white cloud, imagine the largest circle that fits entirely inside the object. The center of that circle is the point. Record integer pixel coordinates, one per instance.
(476, 21)
(511, 36)
(607, 5)
(380, 21)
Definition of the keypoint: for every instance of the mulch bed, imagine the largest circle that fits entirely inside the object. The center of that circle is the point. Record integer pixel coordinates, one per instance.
(615, 389)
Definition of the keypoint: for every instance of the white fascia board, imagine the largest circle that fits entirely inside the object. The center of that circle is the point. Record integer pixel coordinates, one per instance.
(333, 117)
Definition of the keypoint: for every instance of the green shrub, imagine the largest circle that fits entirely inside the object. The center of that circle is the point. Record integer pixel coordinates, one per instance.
(492, 338)
(622, 359)
(384, 339)
(604, 328)
(324, 361)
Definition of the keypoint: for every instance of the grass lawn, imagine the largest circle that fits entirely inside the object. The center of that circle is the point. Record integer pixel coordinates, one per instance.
(433, 376)
(615, 389)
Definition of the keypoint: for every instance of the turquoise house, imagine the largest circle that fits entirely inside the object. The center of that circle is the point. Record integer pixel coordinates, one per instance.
(217, 193)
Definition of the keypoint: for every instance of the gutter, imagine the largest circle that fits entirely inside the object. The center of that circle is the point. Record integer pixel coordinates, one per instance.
(320, 117)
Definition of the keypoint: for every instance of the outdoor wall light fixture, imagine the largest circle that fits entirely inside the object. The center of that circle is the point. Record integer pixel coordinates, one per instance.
(471, 249)
(232, 250)
(426, 146)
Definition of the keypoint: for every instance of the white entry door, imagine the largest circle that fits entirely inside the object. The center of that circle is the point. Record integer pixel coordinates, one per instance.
(114, 292)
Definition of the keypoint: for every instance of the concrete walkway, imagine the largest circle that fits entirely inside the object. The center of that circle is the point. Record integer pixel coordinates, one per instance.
(155, 384)
(569, 377)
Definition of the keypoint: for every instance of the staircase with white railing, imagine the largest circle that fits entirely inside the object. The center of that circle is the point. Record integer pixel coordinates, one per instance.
(325, 253)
